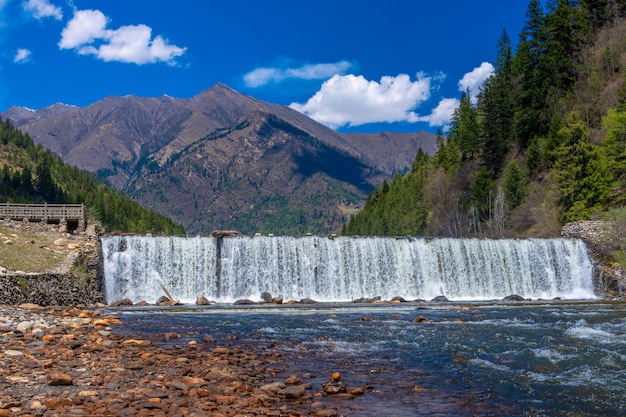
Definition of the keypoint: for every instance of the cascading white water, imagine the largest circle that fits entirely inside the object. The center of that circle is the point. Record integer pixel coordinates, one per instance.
(344, 268)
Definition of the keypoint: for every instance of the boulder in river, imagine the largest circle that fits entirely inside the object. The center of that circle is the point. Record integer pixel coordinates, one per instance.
(513, 297)
(202, 301)
(335, 385)
(244, 302)
(163, 301)
(121, 303)
(440, 298)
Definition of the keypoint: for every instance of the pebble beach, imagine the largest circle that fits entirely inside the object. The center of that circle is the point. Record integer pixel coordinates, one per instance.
(71, 361)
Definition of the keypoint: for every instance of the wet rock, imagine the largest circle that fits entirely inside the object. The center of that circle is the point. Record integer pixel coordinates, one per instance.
(293, 392)
(355, 391)
(202, 301)
(513, 297)
(266, 297)
(163, 301)
(272, 388)
(440, 298)
(398, 299)
(244, 302)
(334, 387)
(293, 380)
(277, 300)
(420, 319)
(121, 303)
(326, 413)
(307, 301)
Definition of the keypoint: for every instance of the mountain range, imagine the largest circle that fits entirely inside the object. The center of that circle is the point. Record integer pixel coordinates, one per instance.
(224, 160)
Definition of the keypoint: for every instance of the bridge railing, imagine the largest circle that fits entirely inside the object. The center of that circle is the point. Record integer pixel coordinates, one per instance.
(43, 212)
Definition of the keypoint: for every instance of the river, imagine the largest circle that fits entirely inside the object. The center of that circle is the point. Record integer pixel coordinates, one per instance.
(557, 358)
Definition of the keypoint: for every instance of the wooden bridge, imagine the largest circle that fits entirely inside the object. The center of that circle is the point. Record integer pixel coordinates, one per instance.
(71, 215)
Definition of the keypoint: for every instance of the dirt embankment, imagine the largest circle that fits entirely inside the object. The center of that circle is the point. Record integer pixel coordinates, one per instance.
(40, 263)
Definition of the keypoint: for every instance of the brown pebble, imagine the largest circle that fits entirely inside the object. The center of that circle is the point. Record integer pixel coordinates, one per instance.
(57, 379)
(293, 380)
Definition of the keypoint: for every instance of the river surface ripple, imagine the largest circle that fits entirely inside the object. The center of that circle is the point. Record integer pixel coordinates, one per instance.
(470, 359)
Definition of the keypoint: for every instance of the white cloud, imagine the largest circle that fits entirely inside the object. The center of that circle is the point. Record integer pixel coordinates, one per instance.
(352, 100)
(442, 114)
(43, 8)
(474, 79)
(87, 33)
(85, 27)
(21, 56)
(265, 75)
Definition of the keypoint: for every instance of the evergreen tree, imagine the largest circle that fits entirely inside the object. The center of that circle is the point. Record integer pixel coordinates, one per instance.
(614, 148)
(583, 173)
(448, 155)
(26, 180)
(514, 186)
(464, 129)
(495, 109)
(44, 184)
(483, 194)
(534, 156)
(530, 104)
(564, 34)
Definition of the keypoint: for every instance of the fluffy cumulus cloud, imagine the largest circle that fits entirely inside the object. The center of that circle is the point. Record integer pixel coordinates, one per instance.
(266, 75)
(85, 27)
(442, 114)
(87, 33)
(474, 79)
(43, 8)
(21, 56)
(352, 100)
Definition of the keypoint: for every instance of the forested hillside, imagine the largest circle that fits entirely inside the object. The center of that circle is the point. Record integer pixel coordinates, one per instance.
(31, 174)
(544, 142)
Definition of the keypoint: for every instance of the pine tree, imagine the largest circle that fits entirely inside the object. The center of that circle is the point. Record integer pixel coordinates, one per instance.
(565, 31)
(583, 173)
(514, 186)
(464, 129)
(495, 108)
(483, 193)
(44, 184)
(530, 104)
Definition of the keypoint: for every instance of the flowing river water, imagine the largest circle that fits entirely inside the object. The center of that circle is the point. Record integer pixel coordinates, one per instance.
(473, 359)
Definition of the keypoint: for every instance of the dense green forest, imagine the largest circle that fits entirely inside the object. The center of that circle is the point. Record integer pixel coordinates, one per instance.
(542, 144)
(32, 174)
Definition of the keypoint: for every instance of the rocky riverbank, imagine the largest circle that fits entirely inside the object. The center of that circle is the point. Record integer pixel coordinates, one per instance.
(602, 239)
(59, 362)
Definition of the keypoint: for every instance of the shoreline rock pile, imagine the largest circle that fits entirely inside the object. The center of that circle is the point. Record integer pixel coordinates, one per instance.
(56, 362)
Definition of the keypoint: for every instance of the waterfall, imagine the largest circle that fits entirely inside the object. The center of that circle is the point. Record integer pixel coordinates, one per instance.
(344, 268)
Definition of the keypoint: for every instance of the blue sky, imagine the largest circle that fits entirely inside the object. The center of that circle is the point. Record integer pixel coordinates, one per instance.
(353, 65)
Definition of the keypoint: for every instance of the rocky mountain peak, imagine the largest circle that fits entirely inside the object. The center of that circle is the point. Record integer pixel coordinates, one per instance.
(222, 159)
